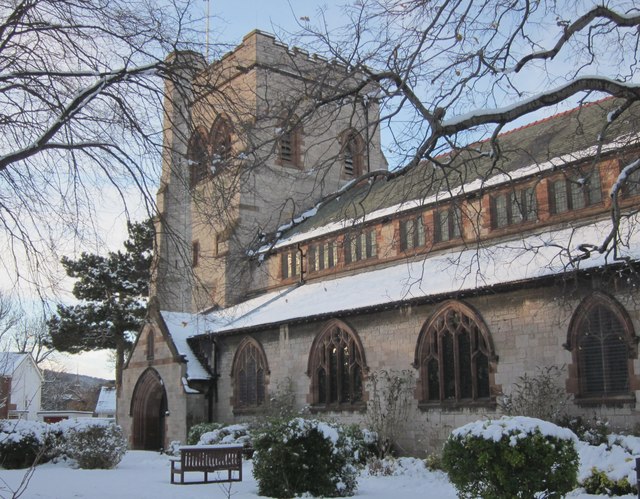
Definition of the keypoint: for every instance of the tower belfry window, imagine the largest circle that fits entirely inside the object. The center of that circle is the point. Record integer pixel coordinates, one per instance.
(352, 155)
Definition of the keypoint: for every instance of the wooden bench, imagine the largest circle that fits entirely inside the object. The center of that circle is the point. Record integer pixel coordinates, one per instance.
(209, 459)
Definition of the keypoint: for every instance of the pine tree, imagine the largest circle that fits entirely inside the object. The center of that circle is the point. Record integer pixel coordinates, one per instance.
(112, 291)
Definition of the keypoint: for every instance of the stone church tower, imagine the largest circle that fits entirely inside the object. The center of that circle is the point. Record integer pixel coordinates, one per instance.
(247, 147)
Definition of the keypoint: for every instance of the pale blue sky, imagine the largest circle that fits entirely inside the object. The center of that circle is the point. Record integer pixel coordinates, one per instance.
(231, 20)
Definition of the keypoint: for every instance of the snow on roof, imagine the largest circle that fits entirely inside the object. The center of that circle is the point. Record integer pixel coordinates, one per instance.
(9, 362)
(182, 326)
(534, 256)
(470, 187)
(106, 400)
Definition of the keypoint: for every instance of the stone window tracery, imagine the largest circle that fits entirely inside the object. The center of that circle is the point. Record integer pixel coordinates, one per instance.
(454, 356)
(337, 367)
(249, 372)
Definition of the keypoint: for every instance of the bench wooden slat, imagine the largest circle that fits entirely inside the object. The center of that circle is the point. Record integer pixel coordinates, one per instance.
(208, 459)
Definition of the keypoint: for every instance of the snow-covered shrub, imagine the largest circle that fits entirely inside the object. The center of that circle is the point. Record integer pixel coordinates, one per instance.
(511, 457)
(232, 434)
(93, 443)
(363, 441)
(599, 483)
(304, 456)
(609, 468)
(196, 431)
(174, 448)
(24, 443)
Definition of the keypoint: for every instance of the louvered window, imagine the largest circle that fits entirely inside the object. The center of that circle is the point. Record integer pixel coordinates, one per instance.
(602, 354)
(352, 154)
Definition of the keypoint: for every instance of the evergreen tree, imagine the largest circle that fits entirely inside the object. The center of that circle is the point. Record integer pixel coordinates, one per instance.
(112, 291)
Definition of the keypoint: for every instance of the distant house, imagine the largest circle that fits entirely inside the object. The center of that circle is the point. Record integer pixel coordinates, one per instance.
(20, 386)
(106, 405)
(53, 416)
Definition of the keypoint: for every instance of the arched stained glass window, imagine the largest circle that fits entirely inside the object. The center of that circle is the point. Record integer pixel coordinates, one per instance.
(453, 355)
(249, 373)
(337, 367)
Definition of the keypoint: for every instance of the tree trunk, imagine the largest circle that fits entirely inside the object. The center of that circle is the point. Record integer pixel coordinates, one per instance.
(120, 349)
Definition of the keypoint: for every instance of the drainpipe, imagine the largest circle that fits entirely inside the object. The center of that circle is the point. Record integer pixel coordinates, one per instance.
(302, 269)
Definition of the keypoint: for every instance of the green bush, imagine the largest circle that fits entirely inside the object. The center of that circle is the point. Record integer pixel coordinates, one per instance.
(598, 483)
(512, 457)
(94, 443)
(24, 443)
(305, 456)
(196, 431)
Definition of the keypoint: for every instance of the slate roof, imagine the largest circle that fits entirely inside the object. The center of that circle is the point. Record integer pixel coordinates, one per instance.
(439, 275)
(561, 135)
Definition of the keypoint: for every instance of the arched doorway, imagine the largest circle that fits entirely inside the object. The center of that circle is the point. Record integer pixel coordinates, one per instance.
(148, 409)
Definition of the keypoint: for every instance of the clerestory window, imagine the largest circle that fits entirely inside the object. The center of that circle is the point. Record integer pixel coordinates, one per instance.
(575, 192)
(514, 207)
(412, 233)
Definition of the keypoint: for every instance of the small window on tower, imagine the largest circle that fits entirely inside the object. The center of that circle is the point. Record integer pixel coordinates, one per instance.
(289, 142)
(195, 253)
(352, 155)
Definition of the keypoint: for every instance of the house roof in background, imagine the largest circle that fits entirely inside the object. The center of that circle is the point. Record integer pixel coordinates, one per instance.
(9, 362)
(106, 403)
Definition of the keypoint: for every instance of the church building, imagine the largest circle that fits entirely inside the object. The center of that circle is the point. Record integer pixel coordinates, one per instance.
(289, 254)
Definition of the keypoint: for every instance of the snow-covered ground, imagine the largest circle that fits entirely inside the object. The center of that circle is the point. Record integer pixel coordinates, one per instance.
(145, 475)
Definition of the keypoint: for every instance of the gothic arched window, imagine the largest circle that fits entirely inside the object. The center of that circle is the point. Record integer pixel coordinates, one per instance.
(249, 371)
(198, 157)
(454, 355)
(602, 342)
(220, 144)
(290, 142)
(337, 367)
(353, 151)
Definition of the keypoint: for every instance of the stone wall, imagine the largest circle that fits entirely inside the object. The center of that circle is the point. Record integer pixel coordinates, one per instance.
(528, 329)
(182, 408)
